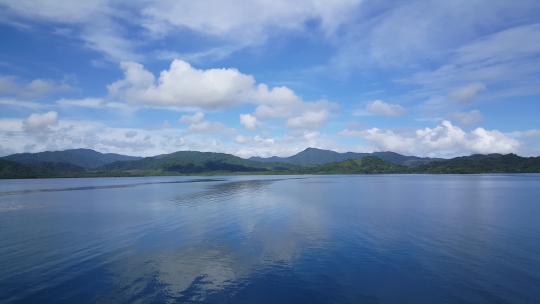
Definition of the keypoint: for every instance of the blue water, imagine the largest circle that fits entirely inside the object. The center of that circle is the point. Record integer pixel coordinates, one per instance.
(271, 239)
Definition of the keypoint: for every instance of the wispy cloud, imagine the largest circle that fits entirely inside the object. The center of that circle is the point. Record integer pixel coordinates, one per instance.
(379, 107)
(12, 86)
(104, 25)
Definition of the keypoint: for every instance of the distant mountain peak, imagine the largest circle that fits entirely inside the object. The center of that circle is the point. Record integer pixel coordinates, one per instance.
(314, 149)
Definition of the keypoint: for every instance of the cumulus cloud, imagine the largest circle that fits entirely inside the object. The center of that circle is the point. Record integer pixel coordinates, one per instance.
(287, 145)
(28, 136)
(45, 131)
(308, 120)
(299, 114)
(198, 124)
(444, 140)
(68, 134)
(379, 107)
(40, 122)
(184, 87)
(249, 121)
(486, 141)
(241, 139)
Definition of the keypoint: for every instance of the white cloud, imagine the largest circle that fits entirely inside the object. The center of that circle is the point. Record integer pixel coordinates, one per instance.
(105, 36)
(95, 22)
(57, 10)
(492, 61)
(450, 51)
(184, 86)
(287, 145)
(192, 119)
(506, 45)
(131, 133)
(44, 131)
(198, 124)
(15, 137)
(249, 121)
(444, 140)
(9, 125)
(68, 134)
(299, 114)
(40, 122)
(388, 140)
(348, 132)
(245, 22)
(413, 31)
(94, 103)
(12, 86)
(533, 133)
(10, 102)
(258, 139)
(103, 25)
(84, 102)
(469, 118)
(308, 120)
(379, 107)
(485, 141)
(274, 111)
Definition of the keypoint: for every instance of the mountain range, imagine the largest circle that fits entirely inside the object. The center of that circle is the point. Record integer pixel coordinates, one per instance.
(88, 163)
(314, 156)
(85, 158)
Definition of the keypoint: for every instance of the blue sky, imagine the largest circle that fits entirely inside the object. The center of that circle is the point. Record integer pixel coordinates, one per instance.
(430, 78)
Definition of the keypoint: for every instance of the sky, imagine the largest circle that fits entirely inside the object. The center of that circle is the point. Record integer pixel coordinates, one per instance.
(270, 77)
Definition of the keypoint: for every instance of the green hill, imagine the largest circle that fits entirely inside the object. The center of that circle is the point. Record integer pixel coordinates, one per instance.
(366, 165)
(11, 169)
(194, 162)
(314, 156)
(191, 162)
(85, 158)
(478, 163)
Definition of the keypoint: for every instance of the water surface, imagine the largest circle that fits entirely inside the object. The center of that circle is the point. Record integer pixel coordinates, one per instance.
(271, 239)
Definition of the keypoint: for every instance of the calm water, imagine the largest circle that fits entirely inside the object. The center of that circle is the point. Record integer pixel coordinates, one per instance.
(284, 239)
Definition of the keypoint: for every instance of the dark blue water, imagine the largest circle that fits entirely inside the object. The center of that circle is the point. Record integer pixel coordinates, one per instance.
(281, 239)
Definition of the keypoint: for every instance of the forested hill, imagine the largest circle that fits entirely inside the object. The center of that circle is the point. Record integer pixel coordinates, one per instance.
(206, 163)
(478, 163)
(85, 158)
(314, 156)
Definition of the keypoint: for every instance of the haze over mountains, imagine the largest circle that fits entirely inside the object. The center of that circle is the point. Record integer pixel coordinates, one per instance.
(87, 163)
